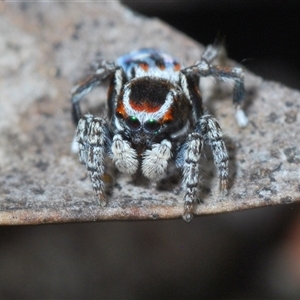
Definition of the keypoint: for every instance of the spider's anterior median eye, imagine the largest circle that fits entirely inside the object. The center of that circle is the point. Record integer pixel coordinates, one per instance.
(152, 125)
(133, 123)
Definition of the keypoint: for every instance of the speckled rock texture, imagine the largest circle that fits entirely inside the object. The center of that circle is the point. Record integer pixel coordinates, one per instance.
(45, 48)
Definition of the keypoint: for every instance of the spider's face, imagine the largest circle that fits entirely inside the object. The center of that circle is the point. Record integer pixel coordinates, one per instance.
(149, 108)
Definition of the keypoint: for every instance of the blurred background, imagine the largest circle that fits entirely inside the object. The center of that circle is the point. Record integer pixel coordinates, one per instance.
(262, 35)
(247, 254)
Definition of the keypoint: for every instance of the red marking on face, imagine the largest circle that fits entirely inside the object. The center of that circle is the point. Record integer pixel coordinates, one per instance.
(168, 117)
(144, 105)
(144, 66)
(120, 110)
(176, 67)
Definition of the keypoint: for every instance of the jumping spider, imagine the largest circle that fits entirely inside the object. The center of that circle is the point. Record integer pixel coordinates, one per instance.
(155, 115)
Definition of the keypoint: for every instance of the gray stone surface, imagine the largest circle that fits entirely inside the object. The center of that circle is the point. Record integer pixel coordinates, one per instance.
(46, 47)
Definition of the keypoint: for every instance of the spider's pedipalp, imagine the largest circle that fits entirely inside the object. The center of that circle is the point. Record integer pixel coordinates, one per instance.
(155, 161)
(124, 157)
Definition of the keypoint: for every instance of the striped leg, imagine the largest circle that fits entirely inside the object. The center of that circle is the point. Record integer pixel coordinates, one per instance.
(203, 68)
(190, 153)
(103, 70)
(211, 132)
(91, 135)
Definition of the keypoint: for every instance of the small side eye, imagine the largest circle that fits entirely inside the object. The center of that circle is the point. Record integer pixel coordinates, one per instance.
(119, 115)
(152, 125)
(133, 123)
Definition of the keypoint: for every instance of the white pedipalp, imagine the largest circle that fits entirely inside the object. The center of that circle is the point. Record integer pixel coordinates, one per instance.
(124, 157)
(155, 160)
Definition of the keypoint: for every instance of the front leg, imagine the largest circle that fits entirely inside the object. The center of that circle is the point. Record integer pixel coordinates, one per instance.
(204, 69)
(188, 160)
(91, 135)
(103, 71)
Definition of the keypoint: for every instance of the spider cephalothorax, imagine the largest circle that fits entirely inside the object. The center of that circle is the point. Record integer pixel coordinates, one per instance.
(149, 109)
(155, 115)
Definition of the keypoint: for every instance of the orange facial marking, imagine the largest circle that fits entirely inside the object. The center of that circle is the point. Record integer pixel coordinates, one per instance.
(168, 117)
(144, 105)
(121, 110)
(144, 66)
(176, 67)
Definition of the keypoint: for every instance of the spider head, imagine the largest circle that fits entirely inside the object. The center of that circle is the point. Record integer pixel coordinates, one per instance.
(149, 108)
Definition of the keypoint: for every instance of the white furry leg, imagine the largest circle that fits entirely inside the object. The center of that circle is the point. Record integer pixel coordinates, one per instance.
(124, 157)
(155, 161)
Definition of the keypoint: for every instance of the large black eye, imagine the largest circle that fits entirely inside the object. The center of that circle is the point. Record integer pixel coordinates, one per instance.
(133, 123)
(152, 125)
